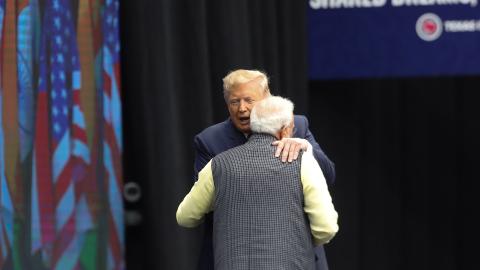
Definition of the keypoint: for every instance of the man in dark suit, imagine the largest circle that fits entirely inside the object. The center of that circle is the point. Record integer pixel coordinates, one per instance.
(242, 88)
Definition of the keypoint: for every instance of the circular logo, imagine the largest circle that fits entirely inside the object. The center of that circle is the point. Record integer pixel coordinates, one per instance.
(429, 27)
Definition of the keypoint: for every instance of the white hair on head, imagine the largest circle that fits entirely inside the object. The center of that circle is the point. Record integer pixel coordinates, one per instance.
(241, 76)
(271, 115)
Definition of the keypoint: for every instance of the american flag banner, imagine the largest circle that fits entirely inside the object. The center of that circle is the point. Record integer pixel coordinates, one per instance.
(61, 178)
(113, 131)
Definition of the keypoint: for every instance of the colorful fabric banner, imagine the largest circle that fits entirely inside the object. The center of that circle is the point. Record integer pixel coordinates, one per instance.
(61, 201)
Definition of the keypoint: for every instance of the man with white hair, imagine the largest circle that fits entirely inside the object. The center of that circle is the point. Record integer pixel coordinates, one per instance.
(268, 214)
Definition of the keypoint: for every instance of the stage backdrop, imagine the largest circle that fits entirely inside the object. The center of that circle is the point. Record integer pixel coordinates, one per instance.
(393, 38)
(60, 135)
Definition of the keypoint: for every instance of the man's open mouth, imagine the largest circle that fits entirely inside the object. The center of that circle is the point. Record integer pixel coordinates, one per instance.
(244, 120)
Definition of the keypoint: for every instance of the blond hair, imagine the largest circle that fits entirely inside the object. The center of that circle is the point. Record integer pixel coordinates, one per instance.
(241, 76)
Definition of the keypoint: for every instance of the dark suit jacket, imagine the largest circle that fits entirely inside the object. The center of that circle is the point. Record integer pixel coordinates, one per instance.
(223, 136)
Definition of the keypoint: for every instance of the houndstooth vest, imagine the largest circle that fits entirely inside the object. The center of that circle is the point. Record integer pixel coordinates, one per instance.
(259, 222)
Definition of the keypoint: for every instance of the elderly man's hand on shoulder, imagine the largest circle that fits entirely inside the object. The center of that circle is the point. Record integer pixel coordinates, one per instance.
(289, 148)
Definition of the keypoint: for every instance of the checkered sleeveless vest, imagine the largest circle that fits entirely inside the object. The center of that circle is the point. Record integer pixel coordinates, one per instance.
(259, 223)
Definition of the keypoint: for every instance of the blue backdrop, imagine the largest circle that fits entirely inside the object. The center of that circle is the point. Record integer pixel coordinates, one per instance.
(393, 38)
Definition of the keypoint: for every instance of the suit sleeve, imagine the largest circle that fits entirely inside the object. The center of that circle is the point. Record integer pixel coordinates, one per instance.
(202, 156)
(327, 166)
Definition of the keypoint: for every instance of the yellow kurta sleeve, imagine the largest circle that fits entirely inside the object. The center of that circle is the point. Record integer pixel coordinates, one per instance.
(318, 203)
(199, 201)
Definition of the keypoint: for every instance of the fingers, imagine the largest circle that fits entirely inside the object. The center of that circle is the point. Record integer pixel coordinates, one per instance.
(286, 151)
(293, 155)
(279, 149)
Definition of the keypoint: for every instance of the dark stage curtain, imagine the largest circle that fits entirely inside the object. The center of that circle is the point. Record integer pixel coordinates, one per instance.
(174, 55)
(406, 154)
(405, 149)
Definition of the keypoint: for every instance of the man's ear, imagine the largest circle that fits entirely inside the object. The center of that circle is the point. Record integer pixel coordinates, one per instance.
(284, 132)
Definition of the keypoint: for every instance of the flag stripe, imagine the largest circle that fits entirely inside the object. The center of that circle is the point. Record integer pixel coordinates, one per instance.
(43, 170)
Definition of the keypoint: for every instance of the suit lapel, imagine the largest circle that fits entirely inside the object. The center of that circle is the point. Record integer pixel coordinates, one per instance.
(236, 137)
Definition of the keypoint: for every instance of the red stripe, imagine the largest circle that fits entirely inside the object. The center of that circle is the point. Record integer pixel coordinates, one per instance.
(76, 97)
(115, 153)
(44, 171)
(63, 181)
(116, 68)
(107, 85)
(79, 134)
